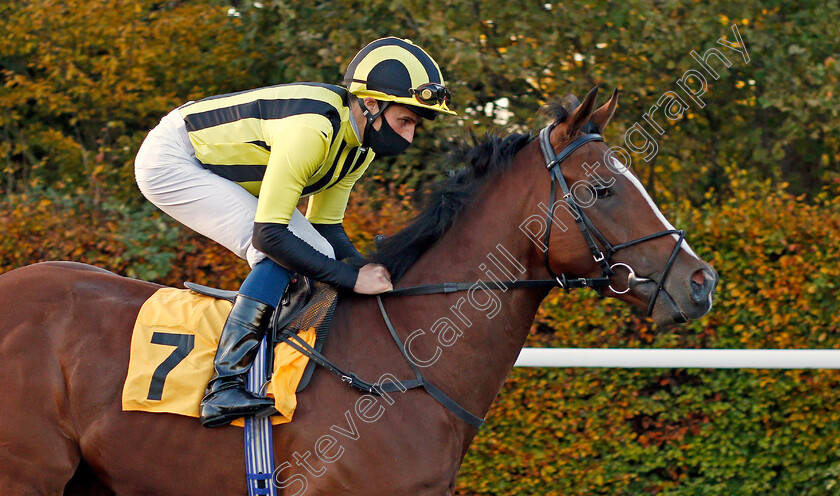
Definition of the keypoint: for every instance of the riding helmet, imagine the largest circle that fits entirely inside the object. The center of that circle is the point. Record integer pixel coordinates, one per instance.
(396, 70)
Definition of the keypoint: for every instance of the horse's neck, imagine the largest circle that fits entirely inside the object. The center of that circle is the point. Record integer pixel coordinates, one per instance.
(477, 335)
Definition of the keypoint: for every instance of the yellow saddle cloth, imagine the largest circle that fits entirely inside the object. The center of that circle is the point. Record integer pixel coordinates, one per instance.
(172, 348)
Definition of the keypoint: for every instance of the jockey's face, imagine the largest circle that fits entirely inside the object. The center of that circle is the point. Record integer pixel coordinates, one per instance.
(402, 121)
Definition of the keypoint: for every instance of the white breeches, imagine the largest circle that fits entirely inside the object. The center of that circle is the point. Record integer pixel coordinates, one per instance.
(170, 176)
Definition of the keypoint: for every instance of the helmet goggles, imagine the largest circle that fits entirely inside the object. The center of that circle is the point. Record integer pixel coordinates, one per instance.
(432, 94)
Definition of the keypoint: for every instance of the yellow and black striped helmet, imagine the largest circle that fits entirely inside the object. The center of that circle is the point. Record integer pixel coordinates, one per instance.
(396, 70)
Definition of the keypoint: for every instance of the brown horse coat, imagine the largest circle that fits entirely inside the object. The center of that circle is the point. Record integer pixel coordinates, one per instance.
(65, 330)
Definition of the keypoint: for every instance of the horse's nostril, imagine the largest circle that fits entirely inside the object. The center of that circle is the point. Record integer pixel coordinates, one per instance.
(702, 283)
(699, 278)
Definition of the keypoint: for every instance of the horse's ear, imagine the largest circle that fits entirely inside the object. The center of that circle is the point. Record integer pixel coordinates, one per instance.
(576, 120)
(581, 115)
(602, 116)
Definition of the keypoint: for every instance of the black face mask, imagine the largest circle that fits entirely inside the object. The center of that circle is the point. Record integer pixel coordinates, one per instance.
(386, 142)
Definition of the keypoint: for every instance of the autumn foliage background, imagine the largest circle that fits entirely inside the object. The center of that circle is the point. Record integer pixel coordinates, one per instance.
(752, 177)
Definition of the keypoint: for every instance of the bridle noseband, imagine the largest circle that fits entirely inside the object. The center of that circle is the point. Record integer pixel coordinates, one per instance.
(590, 232)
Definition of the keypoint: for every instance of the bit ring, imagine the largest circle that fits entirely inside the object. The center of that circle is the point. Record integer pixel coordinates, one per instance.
(632, 280)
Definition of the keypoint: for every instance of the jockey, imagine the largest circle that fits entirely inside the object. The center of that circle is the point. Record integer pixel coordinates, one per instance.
(233, 168)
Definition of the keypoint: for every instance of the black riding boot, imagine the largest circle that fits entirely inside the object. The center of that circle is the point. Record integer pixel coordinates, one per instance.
(226, 398)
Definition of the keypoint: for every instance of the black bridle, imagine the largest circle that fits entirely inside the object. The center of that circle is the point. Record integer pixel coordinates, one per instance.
(590, 233)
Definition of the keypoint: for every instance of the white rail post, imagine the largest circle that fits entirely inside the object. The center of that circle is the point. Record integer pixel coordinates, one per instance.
(679, 358)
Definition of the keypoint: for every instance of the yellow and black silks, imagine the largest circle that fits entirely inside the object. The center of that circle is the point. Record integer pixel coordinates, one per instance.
(282, 143)
(172, 348)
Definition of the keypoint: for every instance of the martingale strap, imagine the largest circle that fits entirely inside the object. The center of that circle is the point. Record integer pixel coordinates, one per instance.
(356, 382)
(297, 343)
(430, 388)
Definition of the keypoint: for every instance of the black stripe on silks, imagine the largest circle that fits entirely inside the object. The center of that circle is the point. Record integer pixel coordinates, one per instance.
(263, 109)
(325, 179)
(238, 173)
(361, 160)
(261, 144)
(347, 165)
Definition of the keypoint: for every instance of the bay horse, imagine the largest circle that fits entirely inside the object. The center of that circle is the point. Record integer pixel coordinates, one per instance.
(65, 330)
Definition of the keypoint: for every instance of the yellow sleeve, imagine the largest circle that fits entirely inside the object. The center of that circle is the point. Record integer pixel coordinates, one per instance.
(295, 157)
(327, 207)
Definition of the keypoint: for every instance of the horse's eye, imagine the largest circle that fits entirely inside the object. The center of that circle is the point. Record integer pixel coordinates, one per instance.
(602, 191)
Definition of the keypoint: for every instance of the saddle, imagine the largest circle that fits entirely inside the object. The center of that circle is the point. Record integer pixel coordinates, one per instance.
(304, 305)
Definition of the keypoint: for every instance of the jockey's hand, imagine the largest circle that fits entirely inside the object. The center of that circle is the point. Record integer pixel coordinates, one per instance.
(373, 279)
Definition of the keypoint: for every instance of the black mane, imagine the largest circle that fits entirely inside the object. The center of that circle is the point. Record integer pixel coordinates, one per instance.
(482, 160)
(486, 157)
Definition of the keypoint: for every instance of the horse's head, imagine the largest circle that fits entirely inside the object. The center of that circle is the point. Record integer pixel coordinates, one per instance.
(602, 223)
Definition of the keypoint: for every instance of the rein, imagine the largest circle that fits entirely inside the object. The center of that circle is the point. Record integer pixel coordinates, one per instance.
(590, 234)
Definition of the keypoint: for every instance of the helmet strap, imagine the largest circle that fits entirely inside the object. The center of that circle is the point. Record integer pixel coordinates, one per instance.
(370, 117)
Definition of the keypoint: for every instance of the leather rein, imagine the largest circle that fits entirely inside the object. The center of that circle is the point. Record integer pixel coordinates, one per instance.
(590, 233)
